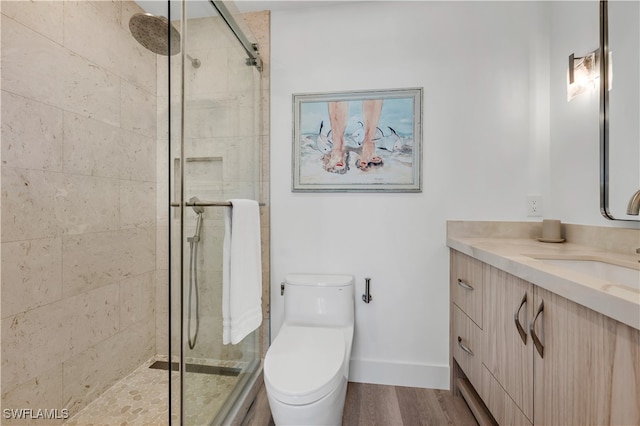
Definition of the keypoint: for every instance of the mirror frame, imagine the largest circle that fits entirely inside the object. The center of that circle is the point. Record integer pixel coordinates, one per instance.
(604, 114)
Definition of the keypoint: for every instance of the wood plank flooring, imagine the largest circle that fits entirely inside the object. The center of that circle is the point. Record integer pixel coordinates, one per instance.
(380, 405)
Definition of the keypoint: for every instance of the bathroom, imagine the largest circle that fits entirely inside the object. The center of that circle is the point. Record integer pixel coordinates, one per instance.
(496, 128)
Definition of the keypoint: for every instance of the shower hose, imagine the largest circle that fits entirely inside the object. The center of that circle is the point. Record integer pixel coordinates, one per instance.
(193, 283)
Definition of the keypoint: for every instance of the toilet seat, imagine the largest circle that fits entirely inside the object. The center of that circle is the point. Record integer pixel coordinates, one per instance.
(304, 364)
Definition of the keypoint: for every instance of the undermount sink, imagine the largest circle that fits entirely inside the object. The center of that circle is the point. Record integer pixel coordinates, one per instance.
(615, 274)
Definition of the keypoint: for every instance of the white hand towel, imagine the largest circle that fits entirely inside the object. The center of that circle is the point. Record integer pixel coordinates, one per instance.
(241, 271)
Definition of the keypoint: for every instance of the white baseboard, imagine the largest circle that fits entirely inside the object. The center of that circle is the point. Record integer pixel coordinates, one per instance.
(399, 374)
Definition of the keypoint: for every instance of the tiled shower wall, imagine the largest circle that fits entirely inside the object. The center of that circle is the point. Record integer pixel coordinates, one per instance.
(78, 201)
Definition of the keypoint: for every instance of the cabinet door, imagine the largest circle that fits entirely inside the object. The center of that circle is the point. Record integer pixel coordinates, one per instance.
(466, 345)
(502, 408)
(590, 369)
(467, 284)
(507, 351)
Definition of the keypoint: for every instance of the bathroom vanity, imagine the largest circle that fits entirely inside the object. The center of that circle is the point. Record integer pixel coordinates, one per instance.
(544, 333)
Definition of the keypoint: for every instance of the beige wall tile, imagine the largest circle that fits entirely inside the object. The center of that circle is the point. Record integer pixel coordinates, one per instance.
(31, 274)
(40, 392)
(91, 91)
(109, 9)
(87, 33)
(96, 316)
(162, 245)
(208, 33)
(139, 110)
(258, 23)
(63, 78)
(94, 370)
(34, 342)
(90, 204)
(213, 74)
(40, 204)
(137, 204)
(92, 147)
(45, 17)
(30, 205)
(242, 78)
(31, 134)
(98, 259)
(138, 157)
(39, 339)
(95, 148)
(137, 299)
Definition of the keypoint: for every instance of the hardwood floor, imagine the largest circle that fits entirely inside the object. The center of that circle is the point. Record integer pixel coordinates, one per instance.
(380, 405)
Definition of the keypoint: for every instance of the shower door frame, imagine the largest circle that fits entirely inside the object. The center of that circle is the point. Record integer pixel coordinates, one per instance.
(253, 59)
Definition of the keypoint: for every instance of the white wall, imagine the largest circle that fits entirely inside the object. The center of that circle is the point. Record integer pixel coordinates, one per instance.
(484, 69)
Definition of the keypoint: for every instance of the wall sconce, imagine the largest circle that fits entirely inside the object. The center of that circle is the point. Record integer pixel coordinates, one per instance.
(582, 73)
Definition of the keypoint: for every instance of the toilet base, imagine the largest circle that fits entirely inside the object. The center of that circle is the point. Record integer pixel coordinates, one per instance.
(325, 412)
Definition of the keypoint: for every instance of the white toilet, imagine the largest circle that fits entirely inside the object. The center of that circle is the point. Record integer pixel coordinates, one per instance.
(306, 368)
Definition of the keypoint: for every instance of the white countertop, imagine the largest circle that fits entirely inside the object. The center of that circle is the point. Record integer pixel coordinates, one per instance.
(520, 257)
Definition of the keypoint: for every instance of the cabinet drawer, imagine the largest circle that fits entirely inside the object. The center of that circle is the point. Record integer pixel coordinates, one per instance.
(467, 338)
(499, 403)
(467, 283)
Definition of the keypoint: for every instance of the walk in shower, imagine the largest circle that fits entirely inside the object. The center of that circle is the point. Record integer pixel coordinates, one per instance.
(117, 160)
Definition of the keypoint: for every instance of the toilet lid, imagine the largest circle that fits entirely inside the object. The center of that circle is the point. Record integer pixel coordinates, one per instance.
(304, 363)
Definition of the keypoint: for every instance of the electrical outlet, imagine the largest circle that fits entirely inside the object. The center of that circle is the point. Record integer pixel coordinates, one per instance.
(534, 205)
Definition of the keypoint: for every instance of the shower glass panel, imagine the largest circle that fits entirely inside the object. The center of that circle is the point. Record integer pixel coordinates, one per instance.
(214, 156)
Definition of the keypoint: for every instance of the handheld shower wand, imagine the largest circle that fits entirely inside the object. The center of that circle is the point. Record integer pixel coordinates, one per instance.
(193, 274)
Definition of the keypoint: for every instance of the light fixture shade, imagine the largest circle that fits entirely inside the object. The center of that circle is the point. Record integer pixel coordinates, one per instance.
(582, 74)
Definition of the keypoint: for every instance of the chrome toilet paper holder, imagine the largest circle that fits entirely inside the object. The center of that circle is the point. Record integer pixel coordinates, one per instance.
(366, 297)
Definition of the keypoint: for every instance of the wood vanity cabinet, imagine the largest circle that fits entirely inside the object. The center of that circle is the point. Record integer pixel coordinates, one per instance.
(585, 368)
(589, 372)
(507, 348)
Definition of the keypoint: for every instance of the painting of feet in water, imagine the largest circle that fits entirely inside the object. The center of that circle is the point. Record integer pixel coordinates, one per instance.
(360, 141)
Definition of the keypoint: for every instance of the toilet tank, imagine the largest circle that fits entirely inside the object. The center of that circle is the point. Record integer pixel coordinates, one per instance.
(319, 300)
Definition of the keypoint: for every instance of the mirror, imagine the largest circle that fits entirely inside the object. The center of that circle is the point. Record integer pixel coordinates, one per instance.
(619, 107)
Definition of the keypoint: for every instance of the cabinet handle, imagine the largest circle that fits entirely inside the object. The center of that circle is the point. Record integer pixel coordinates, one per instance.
(516, 319)
(464, 285)
(464, 347)
(532, 329)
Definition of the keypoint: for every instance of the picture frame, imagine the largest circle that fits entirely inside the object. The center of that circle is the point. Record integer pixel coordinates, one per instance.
(381, 145)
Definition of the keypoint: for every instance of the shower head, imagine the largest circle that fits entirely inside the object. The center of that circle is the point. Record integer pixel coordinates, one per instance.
(151, 32)
(197, 209)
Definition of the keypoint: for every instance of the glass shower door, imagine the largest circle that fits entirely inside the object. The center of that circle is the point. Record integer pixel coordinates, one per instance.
(217, 159)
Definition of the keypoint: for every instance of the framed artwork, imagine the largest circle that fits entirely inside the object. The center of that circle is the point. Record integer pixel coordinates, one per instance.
(360, 141)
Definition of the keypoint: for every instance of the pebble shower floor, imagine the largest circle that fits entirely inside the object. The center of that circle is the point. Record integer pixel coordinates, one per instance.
(141, 398)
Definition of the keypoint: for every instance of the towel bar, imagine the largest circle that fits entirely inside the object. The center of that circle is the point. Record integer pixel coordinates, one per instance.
(208, 204)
